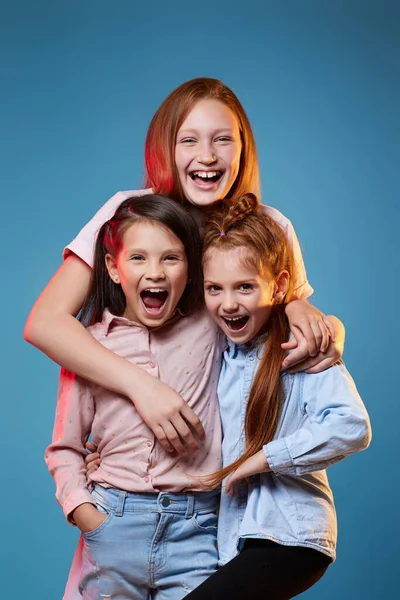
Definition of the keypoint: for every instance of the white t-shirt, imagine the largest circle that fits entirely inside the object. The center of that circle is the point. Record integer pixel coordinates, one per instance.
(84, 243)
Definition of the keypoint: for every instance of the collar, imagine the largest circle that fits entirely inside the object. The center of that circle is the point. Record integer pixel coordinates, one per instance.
(109, 319)
(234, 349)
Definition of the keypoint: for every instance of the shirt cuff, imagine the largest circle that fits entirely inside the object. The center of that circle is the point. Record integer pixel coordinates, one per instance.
(278, 457)
(74, 500)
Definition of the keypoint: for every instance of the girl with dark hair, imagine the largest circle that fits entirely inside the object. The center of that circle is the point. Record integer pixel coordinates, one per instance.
(277, 522)
(199, 149)
(145, 515)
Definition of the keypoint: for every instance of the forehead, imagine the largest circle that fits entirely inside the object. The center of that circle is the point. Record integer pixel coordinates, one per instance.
(151, 235)
(229, 264)
(210, 113)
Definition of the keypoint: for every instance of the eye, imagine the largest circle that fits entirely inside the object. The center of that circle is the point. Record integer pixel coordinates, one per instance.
(246, 287)
(187, 141)
(137, 257)
(224, 138)
(171, 257)
(213, 289)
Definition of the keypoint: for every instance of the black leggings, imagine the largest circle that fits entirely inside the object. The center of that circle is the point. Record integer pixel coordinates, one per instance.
(264, 570)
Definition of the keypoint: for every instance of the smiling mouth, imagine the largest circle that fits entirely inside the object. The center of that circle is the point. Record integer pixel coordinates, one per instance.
(154, 300)
(206, 176)
(236, 323)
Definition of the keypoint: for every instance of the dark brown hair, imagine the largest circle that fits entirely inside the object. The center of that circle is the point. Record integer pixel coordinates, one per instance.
(160, 169)
(103, 292)
(243, 223)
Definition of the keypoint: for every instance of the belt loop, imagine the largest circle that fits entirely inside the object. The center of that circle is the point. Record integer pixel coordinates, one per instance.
(190, 506)
(119, 511)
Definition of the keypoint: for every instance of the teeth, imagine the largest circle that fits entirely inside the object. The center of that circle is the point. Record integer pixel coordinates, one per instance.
(234, 318)
(205, 174)
(154, 290)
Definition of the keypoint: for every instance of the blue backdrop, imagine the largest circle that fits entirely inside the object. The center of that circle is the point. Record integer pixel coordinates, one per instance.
(320, 82)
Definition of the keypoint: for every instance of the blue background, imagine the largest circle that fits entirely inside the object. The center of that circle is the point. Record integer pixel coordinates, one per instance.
(320, 83)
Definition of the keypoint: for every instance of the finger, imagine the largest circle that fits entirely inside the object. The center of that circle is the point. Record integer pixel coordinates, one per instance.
(162, 438)
(173, 438)
(330, 327)
(289, 345)
(193, 421)
(325, 336)
(306, 364)
(299, 355)
(230, 487)
(90, 446)
(320, 366)
(309, 335)
(317, 333)
(92, 468)
(185, 434)
(92, 457)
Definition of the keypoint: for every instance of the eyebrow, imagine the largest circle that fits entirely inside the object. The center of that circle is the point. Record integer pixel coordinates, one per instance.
(240, 282)
(194, 130)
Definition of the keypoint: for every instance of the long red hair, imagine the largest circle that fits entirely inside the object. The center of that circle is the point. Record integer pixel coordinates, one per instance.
(243, 223)
(160, 169)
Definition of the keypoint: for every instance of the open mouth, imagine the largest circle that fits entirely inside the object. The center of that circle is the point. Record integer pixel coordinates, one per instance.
(206, 177)
(154, 300)
(236, 323)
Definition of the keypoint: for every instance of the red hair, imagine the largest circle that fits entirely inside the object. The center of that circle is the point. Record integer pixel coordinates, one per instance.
(160, 169)
(243, 224)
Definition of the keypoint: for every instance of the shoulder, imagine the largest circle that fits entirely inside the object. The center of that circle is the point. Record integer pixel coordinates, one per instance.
(275, 214)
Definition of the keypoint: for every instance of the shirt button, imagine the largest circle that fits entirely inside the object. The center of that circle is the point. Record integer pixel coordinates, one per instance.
(151, 365)
(251, 357)
(149, 443)
(147, 479)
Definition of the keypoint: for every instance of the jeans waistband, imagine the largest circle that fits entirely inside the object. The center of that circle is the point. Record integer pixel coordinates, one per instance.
(186, 502)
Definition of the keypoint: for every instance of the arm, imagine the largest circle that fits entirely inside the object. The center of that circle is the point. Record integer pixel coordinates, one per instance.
(65, 455)
(53, 328)
(337, 425)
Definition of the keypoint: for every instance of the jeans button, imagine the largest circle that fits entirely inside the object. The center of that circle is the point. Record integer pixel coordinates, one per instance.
(165, 502)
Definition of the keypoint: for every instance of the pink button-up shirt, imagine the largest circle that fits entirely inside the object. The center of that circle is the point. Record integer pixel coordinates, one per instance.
(186, 355)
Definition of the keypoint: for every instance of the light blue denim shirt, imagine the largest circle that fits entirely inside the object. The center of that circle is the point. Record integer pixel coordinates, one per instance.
(323, 419)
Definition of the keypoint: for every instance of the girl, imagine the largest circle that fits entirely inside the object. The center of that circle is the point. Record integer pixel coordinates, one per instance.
(146, 518)
(280, 431)
(199, 149)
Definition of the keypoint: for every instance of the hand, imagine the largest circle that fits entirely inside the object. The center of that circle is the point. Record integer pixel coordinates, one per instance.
(312, 331)
(253, 465)
(87, 517)
(172, 421)
(92, 460)
(324, 360)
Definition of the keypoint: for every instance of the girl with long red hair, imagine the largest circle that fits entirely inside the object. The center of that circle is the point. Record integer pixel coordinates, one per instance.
(277, 522)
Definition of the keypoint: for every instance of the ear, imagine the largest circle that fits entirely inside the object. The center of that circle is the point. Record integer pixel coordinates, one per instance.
(281, 286)
(112, 268)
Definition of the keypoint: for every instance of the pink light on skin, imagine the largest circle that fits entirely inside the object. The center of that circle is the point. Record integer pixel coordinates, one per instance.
(207, 152)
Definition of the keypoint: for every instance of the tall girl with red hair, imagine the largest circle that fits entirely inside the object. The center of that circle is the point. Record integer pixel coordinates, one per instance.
(199, 149)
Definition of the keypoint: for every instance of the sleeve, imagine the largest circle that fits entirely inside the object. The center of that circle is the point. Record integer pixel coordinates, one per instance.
(65, 457)
(337, 425)
(84, 243)
(302, 288)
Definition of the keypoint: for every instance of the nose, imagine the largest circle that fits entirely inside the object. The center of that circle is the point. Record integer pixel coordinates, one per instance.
(206, 155)
(229, 303)
(155, 272)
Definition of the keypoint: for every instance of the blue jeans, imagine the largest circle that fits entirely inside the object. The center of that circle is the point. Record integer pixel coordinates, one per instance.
(151, 546)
